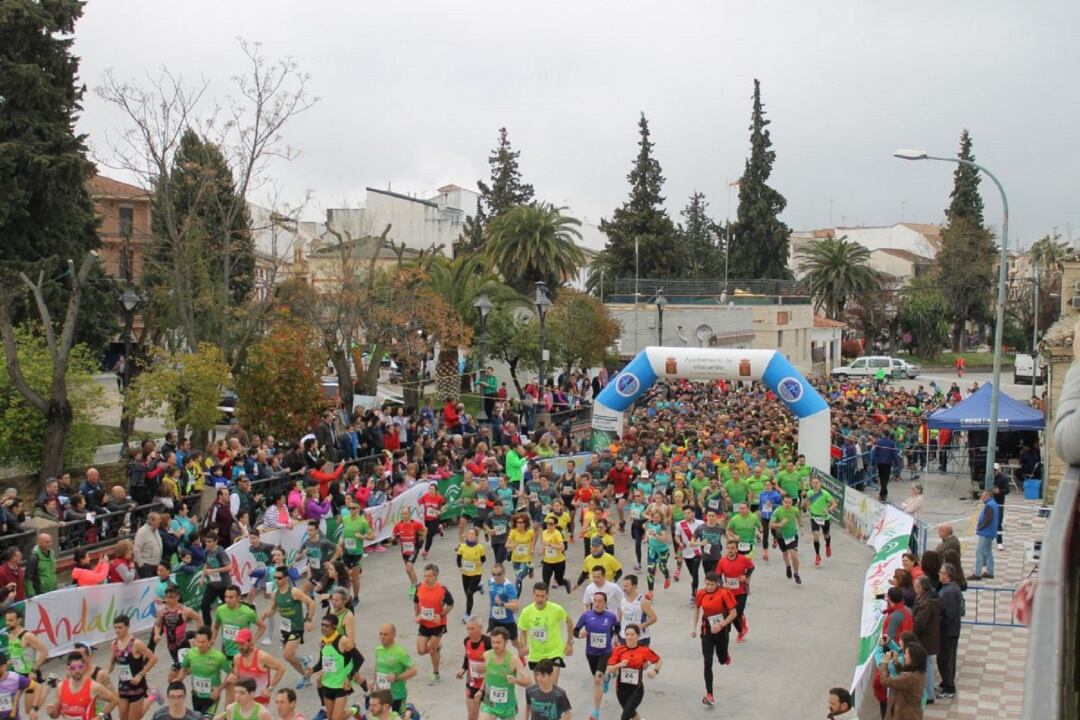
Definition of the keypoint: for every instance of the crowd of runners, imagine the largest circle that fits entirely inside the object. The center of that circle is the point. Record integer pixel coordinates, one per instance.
(704, 489)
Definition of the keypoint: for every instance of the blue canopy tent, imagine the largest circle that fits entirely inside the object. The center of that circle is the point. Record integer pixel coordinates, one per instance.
(974, 414)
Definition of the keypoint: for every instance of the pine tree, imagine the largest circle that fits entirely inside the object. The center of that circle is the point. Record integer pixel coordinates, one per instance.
(700, 237)
(642, 218)
(759, 240)
(965, 263)
(506, 189)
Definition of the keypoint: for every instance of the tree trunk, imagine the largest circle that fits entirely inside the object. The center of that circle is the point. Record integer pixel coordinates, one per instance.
(57, 428)
(369, 384)
(957, 335)
(340, 359)
(447, 383)
(513, 376)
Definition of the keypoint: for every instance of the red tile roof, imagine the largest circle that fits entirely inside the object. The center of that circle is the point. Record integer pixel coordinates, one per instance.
(101, 186)
(820, 322)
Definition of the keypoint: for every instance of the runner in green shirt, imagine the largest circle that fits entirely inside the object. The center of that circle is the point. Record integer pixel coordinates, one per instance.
(206, 666)
(821, 503)
(789, 481)
(744, 527)
(738, 491)
(502, 670)
(786, 519)
(355, 531)
(296, 611)
(339, 663)
(541, 622)
(232, 617)
(393, 666)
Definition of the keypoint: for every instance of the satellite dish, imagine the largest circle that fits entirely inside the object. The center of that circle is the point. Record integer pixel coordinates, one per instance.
(704, 334)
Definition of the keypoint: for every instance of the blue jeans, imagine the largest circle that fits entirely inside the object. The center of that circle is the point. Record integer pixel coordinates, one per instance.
(929, 691)
(984, 555)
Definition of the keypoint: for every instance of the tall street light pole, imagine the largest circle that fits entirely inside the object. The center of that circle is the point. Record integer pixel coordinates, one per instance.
(483, 306)
(661, 303)
(1037, 287)
(543, 304)
(999, 320)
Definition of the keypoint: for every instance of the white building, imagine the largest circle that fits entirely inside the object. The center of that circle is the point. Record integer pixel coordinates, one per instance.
(903, 265)
(920, 239)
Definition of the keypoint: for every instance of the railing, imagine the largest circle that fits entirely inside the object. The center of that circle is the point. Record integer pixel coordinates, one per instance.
(677, 290)
(108, 528)
(1052, 677)
(23, 540)
(992, 606)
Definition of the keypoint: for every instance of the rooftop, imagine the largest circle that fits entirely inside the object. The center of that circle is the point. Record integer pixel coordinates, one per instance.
(106, 187)
(820, 322)
(906, 255)
(399, 196)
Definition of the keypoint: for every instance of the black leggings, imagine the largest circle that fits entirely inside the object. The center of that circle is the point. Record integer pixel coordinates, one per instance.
(558, 570)
(714, 645)
(740, 612)
(693, 566)
(213, 592)
(637, 532)
(500, 552)
(630, 697)
(432, 530)
(471, 585)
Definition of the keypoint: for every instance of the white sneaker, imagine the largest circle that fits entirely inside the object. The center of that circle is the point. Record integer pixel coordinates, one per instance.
(265, 641)
(1001, 546)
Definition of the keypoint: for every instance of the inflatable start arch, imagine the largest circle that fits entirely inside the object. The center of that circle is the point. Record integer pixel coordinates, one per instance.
(769, 366)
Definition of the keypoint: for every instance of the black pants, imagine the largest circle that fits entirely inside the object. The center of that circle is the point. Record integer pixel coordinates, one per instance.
(740, 612)
(500, 552)
(630, 697)
(471, 585)
(1000, 498)
(946, 663)
(559, 571)
(884, 472)
(213, 592)
(146, 571)
(714, 645)
(432, 530)
(693, 566)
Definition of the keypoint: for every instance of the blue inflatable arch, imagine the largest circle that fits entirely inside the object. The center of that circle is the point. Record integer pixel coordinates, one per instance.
(769, 366)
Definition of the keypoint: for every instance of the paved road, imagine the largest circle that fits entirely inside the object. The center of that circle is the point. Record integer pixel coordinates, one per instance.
(802, 640)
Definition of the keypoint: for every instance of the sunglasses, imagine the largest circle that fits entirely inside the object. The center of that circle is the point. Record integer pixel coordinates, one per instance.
(77, 666)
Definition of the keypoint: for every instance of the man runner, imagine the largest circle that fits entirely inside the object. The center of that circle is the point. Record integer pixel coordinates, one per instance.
(296, 611)
(408, 534)
(714, 611)
(393, 667)
(542, 623)
(598, 627)
(319, 552)
(432, 604)
(176, 704)
(545, 700)
(251, 663)
(821, 503)
(635, 608)
(786, 521)
(77, 693)
(206, 665)
(338, 666)
(355, 531)
(245, 707)
(734, 572)
(231, 618)
(26, 654)
(134, 661)
(502, 670)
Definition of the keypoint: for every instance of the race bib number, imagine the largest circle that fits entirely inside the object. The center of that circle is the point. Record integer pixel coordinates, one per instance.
(407, 548)
(522, 550)
(498, 696)
(716, 623)
(630, 676)
(181, 654)
(382, 682)
(767, 508)
(731, 583)
(598, 640)
(707, 548)
(315, 563)
(6, 704)
(498, 612)
(534, 497)
(539, 634)
(330, 664)
(229, 632)
(468, 566)
(350, 543)
(476, 670)
(125, 673)
(427, 614)
(202, 686)
(820, 520)
(545, 509)
(431, 512)
(286, 624)
(551, 552)
(635, 514)
(744, 547)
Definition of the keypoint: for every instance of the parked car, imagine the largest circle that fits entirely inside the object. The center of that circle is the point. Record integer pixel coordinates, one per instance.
(866, 367)
(226, 406)
(904, 369)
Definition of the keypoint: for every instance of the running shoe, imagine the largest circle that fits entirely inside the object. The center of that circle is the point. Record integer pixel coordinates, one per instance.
(789, 572)
(265, 640)
(423, 554)
(637, 567)
(667, 583)
(728, 661)
(595, 714)
(306, 661)
(379, 548)
(435, 679)
(740, 638)
(649, 595)
(817, 560)
(604, 687)
(304, 682)
(828, 551)
(765, 556)
(678, 572)
(798, 580)
(708, 700)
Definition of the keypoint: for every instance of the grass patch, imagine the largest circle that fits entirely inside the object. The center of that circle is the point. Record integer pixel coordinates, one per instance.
(111, 435)
(972, 359)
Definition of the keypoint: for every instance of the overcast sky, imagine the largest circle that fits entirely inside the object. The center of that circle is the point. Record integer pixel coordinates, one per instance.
(414, 92)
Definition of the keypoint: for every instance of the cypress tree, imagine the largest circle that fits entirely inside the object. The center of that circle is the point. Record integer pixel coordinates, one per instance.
(506, 189)
(699, 235)
(45, 206)
(643, 218)
(759, 240)
(965, 263)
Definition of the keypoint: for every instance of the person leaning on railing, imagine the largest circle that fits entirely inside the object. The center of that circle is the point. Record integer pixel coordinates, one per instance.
(1067, 423)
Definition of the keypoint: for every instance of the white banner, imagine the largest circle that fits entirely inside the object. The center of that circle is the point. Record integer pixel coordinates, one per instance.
(890, 537)
(381, 518)
(861, 513)
(62, 618)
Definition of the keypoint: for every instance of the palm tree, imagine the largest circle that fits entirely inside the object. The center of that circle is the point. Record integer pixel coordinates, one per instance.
(531, 243)
(1048, 251)
(836, 269)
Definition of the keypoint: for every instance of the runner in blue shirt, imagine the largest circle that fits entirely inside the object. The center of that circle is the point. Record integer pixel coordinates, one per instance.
(502, 602)
(598, 627)
(768, 500)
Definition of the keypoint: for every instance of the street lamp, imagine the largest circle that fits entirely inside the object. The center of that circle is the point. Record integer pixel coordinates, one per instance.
(483, 306)
(999, 320)
(543, 304)
(661, 303)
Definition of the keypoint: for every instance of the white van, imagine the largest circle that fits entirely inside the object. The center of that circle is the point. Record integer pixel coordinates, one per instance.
(1024, 370)
(866, 367)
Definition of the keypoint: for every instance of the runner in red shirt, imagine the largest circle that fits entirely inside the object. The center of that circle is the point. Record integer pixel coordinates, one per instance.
(734, 572)
(408, 533)
(714, 609)
(431, 502)
(472, 666)
(619, 478)
(432, 604)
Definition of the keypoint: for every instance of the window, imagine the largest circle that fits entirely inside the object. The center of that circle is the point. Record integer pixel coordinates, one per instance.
(126, 221)
(879, 362)
(783, 317)
(860, 363)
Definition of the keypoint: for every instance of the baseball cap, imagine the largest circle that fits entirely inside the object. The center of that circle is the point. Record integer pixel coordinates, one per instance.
(243, 635)
(597, 540)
